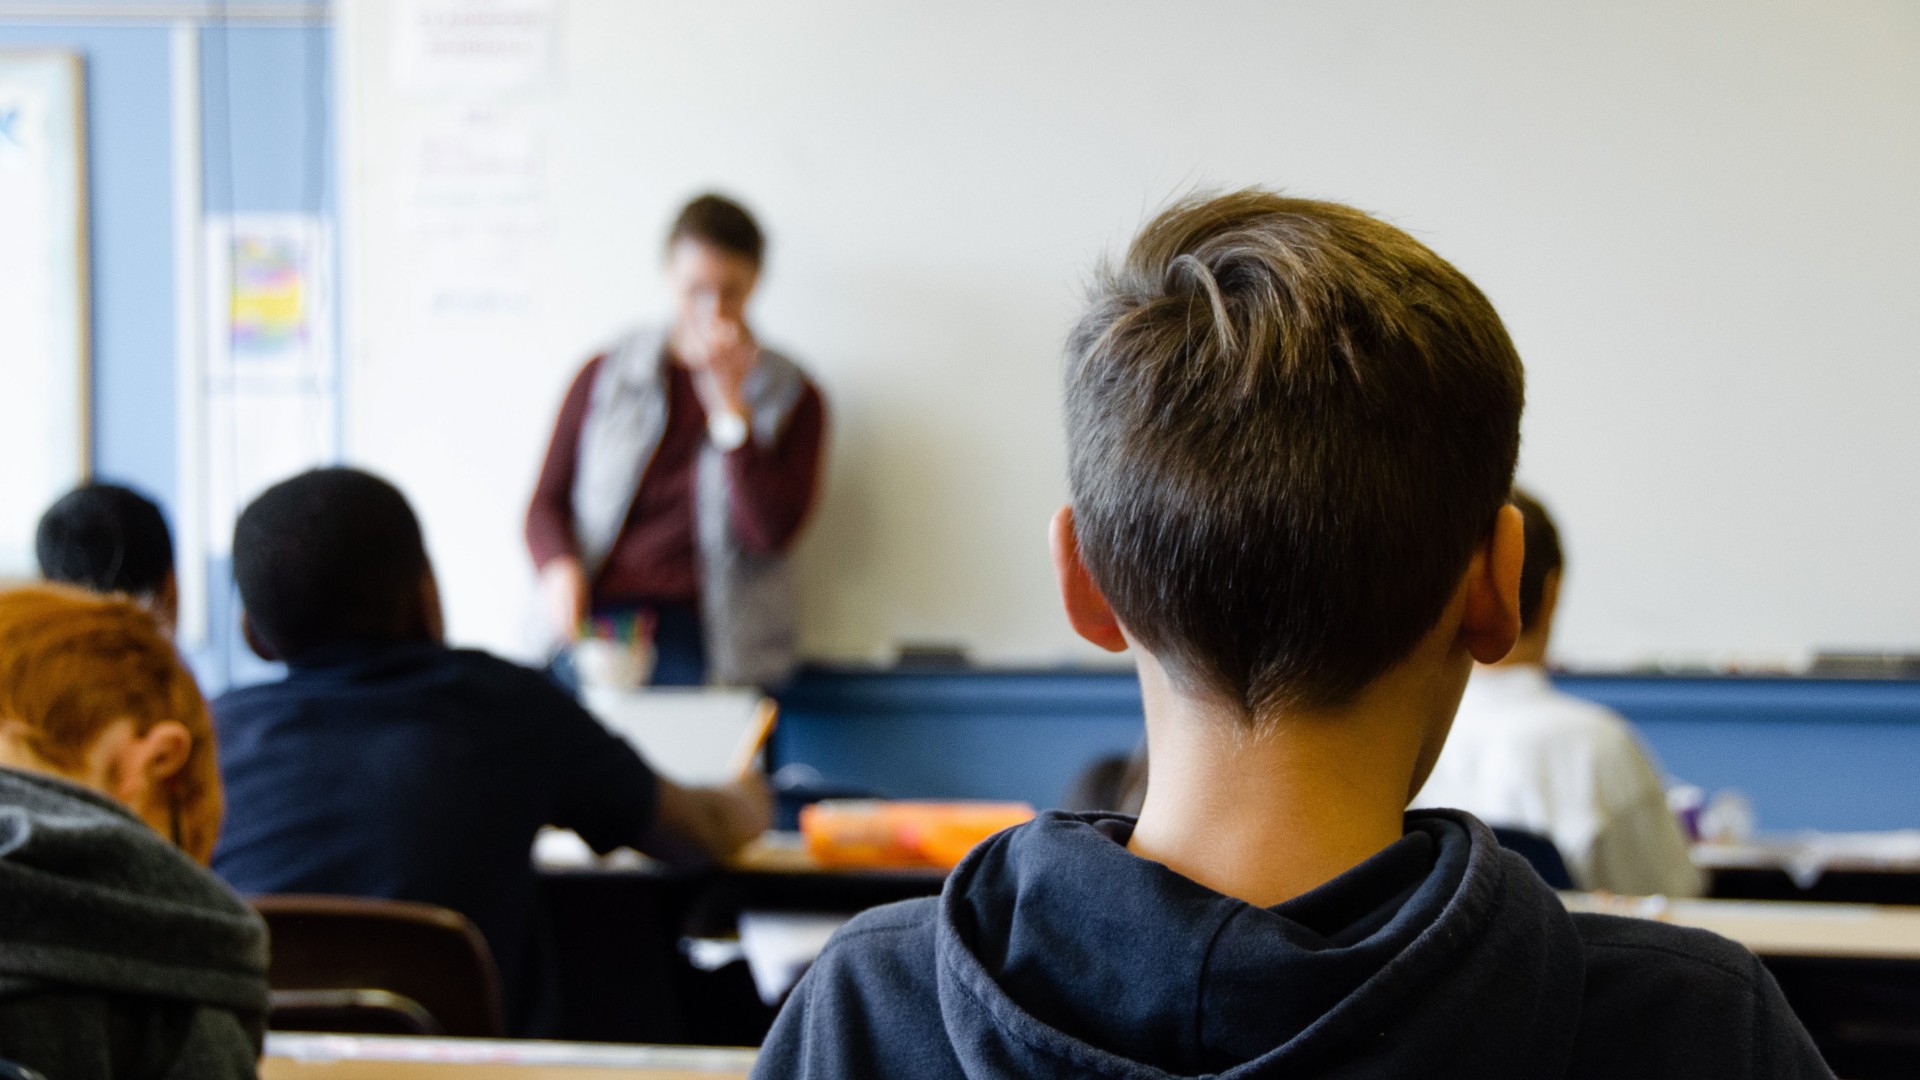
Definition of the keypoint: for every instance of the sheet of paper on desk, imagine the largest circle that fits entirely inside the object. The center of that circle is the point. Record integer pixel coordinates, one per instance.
(563, 850)
(1806, 857)
(781, 945)
(691, 736)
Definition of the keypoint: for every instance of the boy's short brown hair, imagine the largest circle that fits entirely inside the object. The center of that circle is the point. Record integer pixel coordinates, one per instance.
(720, 222)
(1289, 425)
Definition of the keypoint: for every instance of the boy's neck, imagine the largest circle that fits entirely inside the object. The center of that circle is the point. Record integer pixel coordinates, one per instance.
(1267, 811)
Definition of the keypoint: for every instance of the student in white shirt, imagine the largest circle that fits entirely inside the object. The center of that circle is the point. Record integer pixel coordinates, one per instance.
(1524, 755)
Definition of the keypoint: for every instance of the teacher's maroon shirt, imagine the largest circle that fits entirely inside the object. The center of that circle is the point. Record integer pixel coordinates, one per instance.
(657, 558)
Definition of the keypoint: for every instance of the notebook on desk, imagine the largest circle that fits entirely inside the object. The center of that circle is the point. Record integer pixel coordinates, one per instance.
(694, 736)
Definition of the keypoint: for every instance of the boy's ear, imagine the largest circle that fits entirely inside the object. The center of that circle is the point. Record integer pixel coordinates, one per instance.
(156, 757)
(1087, 608)
(433, 619)
(133, 766)
(143, 770)
(1491, 623)
(255, 642)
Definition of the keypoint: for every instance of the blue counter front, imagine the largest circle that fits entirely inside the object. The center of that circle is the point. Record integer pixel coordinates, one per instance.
(1829, 754)
(1810, 753)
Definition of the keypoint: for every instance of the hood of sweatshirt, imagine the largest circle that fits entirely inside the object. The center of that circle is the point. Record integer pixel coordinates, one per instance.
(1060, 953)
(91, 897)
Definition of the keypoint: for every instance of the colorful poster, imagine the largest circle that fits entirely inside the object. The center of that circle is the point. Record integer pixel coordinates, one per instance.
(270, 297)
(270, 405)
(269, 282)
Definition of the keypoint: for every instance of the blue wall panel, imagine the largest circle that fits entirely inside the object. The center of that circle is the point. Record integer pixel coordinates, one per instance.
(129, 167)
(266, 127)
(1003, 735)
(1811, 754)
(266, 147)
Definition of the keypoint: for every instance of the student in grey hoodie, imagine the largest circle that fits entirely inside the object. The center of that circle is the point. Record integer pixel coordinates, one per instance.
(1291, 435)
(120, 954)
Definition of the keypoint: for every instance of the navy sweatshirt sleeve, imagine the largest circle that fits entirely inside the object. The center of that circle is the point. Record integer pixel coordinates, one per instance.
(1735, 1022)
(603, 790)
(865, 1010)
(1782, 1047)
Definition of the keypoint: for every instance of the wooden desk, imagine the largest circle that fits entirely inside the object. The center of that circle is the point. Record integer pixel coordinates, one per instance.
(775, 853)
(341, 1057)
(1857, 868)
(786, 853)
(615, 926)
(1850, 972)
(1775, 928)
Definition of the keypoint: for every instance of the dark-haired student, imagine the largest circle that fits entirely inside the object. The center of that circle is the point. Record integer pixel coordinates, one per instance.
(111, 539)
(1525, 755)
(682, 467)
(386, 764)
(1291, 433)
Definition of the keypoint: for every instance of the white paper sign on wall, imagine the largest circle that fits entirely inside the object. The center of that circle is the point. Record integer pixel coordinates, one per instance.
(466, 45)
(43, 293)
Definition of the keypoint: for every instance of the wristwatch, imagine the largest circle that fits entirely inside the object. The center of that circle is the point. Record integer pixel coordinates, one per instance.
(727, 429)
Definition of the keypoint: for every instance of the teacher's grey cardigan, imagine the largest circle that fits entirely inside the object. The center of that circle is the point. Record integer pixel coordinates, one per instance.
(748, 609)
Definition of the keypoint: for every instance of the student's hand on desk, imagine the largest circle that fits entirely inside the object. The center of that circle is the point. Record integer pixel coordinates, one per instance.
(719, 819)
(563, 583)
(750, 809)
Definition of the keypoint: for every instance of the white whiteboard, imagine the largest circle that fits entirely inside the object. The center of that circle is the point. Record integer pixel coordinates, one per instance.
(1697, 218)
(43, 293)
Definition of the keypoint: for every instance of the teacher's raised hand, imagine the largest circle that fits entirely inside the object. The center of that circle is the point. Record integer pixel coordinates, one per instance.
(725, 353)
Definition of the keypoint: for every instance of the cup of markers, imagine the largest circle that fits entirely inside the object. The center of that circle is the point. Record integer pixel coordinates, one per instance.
(615, 652)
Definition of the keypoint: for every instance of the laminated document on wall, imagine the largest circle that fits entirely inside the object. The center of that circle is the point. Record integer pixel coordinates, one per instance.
(269, 296)
(473, 187)
(257, 437)
(466, 45)
(271, 394)
(474, 193)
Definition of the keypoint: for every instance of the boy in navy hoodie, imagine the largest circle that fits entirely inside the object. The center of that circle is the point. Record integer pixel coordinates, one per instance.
(1291, 435)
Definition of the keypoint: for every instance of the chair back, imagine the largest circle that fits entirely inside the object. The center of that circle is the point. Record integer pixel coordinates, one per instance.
(369, 966)
(1539, 851)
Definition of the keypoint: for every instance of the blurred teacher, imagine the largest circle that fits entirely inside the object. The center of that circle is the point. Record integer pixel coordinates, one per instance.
(682, 466)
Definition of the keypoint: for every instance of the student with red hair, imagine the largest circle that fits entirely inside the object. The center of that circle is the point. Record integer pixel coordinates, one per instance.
(120, 954)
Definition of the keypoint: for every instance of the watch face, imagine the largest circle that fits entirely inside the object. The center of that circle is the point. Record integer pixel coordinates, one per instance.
(727, 430)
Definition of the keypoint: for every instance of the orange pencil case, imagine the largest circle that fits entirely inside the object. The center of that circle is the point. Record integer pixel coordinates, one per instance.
(879, 834)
